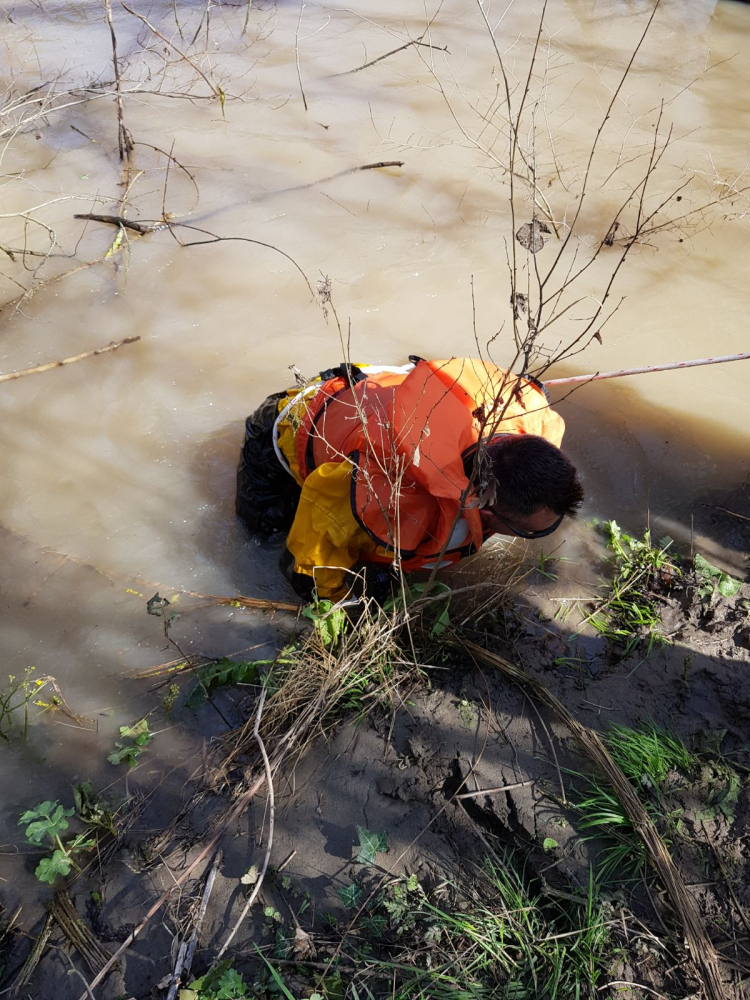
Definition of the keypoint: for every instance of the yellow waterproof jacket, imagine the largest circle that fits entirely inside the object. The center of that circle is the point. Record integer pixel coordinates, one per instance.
(382, 460)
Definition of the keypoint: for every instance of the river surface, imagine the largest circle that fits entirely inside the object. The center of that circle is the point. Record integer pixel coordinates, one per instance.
(117, 472)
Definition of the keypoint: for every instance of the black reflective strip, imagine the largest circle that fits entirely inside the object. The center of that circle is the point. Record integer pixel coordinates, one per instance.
(405, 553)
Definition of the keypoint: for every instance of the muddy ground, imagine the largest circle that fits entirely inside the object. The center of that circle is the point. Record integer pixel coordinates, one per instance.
(464, 730)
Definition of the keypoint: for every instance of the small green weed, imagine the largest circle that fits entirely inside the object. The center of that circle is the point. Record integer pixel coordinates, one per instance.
(467, 712)
(169, 699)
(646, 757)
(220, 983)
(712, 580)
(22, 692)
(370, 844)
(44, 824)
(722, 786)
(349, 894)
(221, 673)
(629, 617)
(509, 943)
(92, 809)
(139, 735)
(649, 754)
(544, 567)
(329, 621)
(436, 600)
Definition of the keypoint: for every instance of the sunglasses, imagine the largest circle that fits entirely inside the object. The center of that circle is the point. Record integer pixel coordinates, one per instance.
(530, 534)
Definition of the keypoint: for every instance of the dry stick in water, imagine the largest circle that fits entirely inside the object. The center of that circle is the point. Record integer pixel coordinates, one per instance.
(701, 950)
(124, 140)
(119, 220)
(271, 819)
(217, 92)
(372, 62)
(296, 53)
(673, 366)
(187, 948)
(67, 361)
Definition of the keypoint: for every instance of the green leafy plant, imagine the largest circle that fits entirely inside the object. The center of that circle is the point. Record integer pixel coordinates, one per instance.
(646, 757)
(44, 824)
(329, 621)
(91, 808)
(221, 673)
(370, 844)
(349, 894)
(222, 982)
(712, 580)
(435, 598)
(502, 942)
(628, 616)
(139, 735)
(722, 786)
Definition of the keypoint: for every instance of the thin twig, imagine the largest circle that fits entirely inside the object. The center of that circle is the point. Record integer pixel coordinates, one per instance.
(124, 139)
(493, 791)
(372, 62)
(67, 361)
(119, 220)
(296, 53)
(271, 819)
(217, 92)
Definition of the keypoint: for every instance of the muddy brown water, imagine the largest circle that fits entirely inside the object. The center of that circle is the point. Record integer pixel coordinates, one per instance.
(117, 476)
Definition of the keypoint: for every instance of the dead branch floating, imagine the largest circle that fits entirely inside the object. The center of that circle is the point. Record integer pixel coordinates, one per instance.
(119, 220)
(702, 953)
(414, 41)
(67, 361)
(143, 228)
(383, 163)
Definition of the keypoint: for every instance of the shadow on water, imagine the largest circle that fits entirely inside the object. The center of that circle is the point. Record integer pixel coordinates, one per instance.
(641, 461)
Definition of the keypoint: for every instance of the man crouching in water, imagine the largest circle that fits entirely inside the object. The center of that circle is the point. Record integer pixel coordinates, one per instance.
(425, 461)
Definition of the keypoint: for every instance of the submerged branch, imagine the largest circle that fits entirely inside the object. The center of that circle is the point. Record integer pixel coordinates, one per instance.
(67, 361)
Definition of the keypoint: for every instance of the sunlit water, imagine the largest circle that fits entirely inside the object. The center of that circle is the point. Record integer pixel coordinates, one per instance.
(117, 472)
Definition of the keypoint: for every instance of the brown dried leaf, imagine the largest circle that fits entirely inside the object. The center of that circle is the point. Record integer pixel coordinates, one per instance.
(530, 235)
(519, 301)
(487, 493)
(303, 944)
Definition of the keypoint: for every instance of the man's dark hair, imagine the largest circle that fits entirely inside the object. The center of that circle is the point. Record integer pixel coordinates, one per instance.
(531, 473)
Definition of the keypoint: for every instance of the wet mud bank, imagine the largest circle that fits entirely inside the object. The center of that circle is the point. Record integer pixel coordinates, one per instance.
(464, 769)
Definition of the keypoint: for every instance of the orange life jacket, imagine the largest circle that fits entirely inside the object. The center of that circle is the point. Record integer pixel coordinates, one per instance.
(408, 437)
